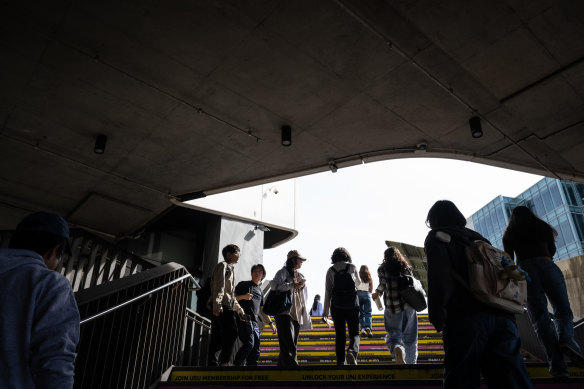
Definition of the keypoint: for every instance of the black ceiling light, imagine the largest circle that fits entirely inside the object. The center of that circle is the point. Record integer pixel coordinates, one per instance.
(475, 127)
(333, 166)
(286, 136)
(100, 142)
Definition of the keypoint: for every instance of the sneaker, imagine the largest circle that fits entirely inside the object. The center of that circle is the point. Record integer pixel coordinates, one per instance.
(399, 356)
(362, 332)
(369, 332)
(575, 357)
(351, 359)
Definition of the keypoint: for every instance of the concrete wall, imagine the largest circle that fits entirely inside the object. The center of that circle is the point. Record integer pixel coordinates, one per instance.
(573, 270)
(249, 240)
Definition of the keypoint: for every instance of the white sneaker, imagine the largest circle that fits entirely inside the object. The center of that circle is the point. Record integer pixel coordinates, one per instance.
(399, 356)
(369, 332)
(362, 332)
(351, 358)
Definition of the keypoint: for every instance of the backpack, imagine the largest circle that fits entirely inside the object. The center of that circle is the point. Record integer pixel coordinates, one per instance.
(412, 291)
(344, 294)
(493, 277)
(203, 297)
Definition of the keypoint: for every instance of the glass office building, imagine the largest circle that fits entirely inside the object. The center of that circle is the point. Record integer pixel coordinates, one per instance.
(559, 203)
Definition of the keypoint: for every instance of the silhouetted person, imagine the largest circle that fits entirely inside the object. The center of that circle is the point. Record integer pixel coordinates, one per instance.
(39, 319)
(477, 338)
(340, 299)
(532, 241)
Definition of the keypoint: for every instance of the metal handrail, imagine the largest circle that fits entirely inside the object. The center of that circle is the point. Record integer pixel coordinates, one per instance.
(109, 310)
(198, 319)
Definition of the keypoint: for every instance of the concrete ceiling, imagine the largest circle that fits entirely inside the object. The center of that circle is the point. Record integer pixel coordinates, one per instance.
(192, 95)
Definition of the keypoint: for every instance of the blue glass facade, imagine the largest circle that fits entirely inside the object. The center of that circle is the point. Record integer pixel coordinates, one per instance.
(559, 203)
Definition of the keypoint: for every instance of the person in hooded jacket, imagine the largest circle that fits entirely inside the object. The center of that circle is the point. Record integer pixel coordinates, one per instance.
(477, 338)
(39, 319)
(342, 302)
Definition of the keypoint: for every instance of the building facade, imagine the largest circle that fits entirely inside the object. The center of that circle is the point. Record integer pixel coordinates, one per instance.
(559, 203)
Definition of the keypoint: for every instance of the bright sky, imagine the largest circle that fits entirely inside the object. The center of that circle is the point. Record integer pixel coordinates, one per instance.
(361, 207)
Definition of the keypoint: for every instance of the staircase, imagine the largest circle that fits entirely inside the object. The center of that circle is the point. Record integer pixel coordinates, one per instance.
(317, 347)
(318, 369)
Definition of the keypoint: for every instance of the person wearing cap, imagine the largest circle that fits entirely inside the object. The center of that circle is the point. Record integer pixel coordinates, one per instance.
(296, 318)
(39, 318)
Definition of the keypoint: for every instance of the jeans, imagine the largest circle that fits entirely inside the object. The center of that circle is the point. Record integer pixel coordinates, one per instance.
(288, 331)
(365, 309)
(487, 343)
(249, 352)
(351, 318)
(402, 331)
(223, 336)
(547, 280)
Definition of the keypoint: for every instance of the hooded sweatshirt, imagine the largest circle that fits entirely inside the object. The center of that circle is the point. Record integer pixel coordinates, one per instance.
(39, 323)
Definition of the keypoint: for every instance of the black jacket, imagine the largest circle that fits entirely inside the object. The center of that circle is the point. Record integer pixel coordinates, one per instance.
(447, 299)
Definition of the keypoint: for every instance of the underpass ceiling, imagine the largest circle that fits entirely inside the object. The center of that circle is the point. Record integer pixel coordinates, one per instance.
(192, 95)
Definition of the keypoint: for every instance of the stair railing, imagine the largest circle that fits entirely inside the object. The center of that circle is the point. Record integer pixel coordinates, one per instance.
(133, 328)
(196, 338)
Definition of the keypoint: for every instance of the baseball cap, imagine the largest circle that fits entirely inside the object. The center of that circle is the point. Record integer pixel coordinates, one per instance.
(49, 223)
(295, 253)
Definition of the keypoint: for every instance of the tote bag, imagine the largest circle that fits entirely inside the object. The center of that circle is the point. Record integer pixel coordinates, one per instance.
(413, 293)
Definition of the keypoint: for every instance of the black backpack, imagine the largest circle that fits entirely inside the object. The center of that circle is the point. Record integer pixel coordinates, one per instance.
(344, 292)
(203, 297)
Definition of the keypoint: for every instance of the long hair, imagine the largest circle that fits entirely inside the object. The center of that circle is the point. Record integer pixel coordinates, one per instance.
(444, 213)
(291, 265)
(525, 224)
(315, 303)
(365, 274)
(394, 261)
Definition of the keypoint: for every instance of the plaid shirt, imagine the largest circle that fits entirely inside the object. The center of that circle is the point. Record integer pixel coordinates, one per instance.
(388, 288)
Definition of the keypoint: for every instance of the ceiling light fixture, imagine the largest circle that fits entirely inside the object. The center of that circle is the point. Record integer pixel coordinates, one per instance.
(100, 142)
(286, 136)
(475, 127)
(333, 166)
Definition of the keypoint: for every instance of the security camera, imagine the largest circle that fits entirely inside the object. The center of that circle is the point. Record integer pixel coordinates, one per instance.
(422, 146)
(275, 191)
